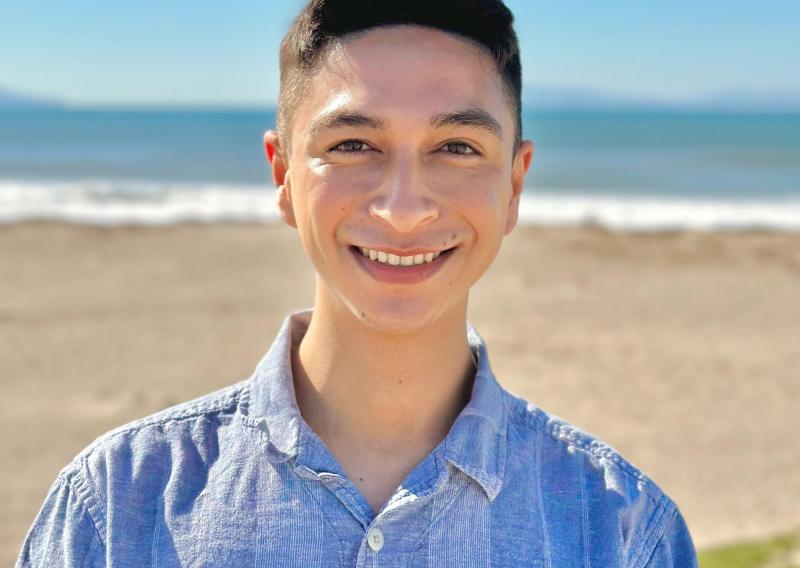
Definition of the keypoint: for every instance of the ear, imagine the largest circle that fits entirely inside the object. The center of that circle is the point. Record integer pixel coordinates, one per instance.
(522, 161)
(280, 171)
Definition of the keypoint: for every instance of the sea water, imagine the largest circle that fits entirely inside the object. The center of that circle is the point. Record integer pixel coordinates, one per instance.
(621, 170)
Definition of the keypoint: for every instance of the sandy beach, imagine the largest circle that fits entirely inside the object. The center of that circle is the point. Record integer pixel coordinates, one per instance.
(681, 349)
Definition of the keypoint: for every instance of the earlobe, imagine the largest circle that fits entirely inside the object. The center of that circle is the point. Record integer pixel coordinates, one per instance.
(512, 216)
(285, 206)
(280, 176)
(522, 161)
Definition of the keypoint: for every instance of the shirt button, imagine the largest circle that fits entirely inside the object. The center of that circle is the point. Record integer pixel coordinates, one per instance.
(375, 539)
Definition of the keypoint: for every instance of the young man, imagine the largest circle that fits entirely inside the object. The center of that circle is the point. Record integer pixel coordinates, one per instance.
(374, 433)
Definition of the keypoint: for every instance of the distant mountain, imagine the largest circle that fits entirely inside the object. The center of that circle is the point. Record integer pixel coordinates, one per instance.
(14, 100)
(547, 97)
(554, 97)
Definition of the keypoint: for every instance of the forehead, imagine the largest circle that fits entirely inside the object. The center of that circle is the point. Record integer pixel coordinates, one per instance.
(402, 73)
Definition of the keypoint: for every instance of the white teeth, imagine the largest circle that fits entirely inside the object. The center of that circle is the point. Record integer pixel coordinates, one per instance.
(397, 260)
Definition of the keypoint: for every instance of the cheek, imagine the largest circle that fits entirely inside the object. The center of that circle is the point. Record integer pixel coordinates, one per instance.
(331, 198)
(479, 195)
(336, 194)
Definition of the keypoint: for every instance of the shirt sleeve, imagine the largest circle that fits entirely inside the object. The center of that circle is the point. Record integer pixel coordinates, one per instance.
(675, 549)
(63, 533)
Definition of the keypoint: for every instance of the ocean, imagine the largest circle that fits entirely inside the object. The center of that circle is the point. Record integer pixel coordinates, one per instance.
(621, 170)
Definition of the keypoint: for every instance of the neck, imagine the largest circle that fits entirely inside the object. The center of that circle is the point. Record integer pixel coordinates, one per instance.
(382, 392)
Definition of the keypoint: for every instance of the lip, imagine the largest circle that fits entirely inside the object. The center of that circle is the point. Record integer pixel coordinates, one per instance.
(402, 274)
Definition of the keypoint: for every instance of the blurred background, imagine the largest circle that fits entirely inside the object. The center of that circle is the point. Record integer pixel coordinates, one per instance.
(650, 295)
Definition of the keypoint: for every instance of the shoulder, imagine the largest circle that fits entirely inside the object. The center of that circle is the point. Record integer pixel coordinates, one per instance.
(136, 458)
(172, 424)
(529, 424)
(566, 463)
(118, 484)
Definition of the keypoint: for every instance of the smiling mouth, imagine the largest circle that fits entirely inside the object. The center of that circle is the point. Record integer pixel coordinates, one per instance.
(390, 259)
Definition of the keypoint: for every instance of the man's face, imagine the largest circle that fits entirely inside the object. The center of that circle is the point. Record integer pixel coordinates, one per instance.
(402, 145)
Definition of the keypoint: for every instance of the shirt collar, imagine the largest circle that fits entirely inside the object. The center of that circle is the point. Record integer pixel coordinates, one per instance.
(476, 443)
(272, 405)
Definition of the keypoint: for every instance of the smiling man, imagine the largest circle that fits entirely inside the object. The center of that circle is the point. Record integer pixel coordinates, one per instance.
(373, 433)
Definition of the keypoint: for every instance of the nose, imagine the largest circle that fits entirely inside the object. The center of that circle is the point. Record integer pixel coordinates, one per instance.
(403, 202)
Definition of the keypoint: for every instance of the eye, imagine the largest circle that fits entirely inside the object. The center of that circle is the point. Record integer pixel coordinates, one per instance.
(459, 148)
(350, 146)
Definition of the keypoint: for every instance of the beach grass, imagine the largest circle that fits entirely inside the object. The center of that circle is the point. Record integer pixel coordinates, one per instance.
(778, 552)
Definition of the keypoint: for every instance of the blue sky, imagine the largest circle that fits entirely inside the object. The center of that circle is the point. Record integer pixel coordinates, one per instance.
(213, 53)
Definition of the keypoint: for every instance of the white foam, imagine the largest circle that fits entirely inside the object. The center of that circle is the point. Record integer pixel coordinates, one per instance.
(98, 202)
(134, 203)
(626, 213)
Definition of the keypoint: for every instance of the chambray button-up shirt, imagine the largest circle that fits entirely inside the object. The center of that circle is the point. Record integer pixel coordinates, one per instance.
(237, 478)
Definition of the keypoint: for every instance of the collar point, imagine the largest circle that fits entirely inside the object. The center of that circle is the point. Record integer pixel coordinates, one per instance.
(490, 483)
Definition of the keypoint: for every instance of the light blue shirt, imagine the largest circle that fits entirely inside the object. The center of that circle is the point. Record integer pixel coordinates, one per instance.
(237, 478)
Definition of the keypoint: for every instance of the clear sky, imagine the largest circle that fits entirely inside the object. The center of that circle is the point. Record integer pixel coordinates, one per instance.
(225, 53)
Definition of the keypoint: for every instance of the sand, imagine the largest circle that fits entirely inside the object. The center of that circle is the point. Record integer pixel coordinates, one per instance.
(681, 350)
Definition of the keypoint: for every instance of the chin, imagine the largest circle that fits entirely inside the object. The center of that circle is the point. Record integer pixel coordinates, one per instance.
(397, 317)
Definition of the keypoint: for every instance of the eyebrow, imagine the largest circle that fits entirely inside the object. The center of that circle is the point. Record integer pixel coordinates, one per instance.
(344, 119)
(474, 117)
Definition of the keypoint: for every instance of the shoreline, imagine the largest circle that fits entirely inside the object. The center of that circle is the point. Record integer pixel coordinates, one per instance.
(109, 202)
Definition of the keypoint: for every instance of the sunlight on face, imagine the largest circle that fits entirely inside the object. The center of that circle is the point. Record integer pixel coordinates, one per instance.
(404, 146)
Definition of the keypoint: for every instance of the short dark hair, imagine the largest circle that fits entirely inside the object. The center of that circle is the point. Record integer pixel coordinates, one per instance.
(488, 23)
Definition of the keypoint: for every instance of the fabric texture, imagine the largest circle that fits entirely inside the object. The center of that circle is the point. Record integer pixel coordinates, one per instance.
(238, 478)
